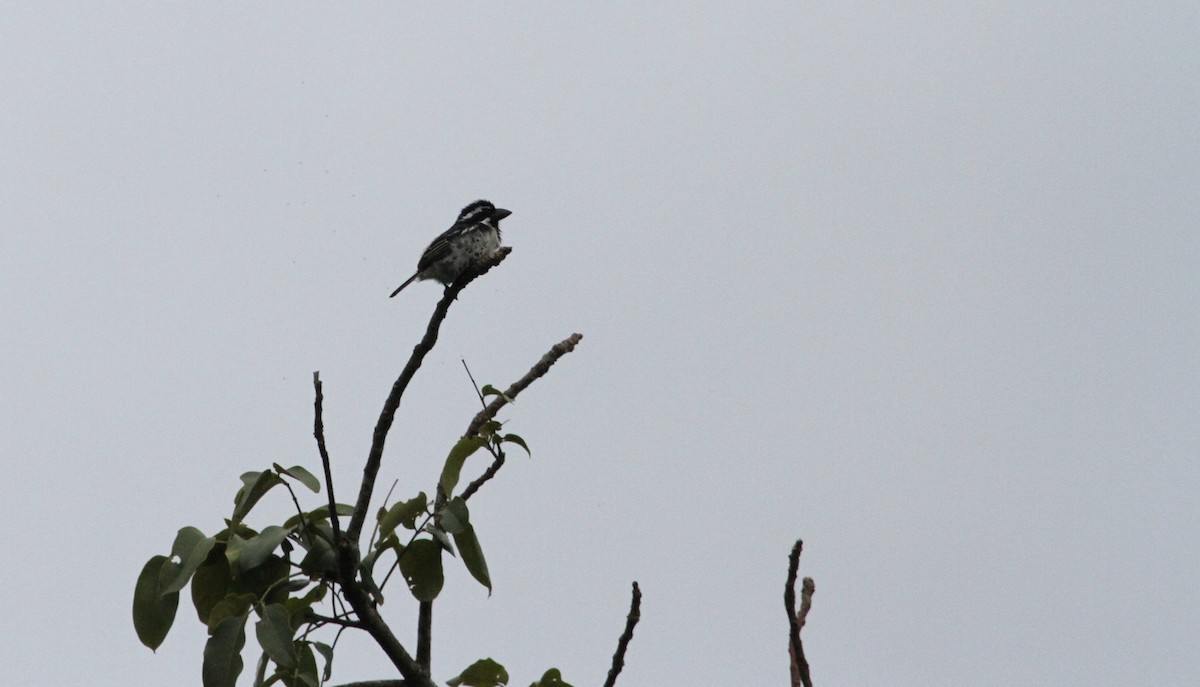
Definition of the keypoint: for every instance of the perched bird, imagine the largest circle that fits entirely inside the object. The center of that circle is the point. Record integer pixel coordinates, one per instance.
(475, 233)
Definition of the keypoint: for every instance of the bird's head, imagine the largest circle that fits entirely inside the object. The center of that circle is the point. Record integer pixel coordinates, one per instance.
(482, 211)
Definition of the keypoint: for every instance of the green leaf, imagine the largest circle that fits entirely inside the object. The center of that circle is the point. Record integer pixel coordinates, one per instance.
(368, 583)
(318, 514)
(300, 475)
(472, 556)
(421, 566)
(482, 673)
(403, 513)
(231, 606)
(210, 583)
(455, 517)
(490, 428)
(454, 462)
(441, 537)
(191, 561)
(489, 390)
(154, 610)
(267, 581)
(274, 632)
(254, 486)
(326, 653)
(514, 439)
(551, 678)
(320, 561)
(234, 547)
(307, 670)
(223, 653)
(260, 547)
(186, 540)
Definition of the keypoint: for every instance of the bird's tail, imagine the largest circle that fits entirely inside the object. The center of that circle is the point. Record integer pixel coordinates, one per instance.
(406, 283)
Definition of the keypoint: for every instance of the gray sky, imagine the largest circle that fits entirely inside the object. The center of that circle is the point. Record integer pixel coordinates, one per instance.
(914, 282)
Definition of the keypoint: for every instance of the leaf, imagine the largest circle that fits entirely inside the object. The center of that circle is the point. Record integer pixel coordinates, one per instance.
(368, 583)
(307, 670)
(260, 547)
(551, 678)
(320, 561)
(514, 439)
(266, 581)
(472, 556)
(327, 653)
(231, 606)
(489, 390)
(210, 583)
(455, 517)
(186, 540)
(223, 653)
(482, 673)
(300, 475)
(191, 561)
(318, 514)
(254, 486)
(274, 632)
(154, 610)
(441, 537)
(234, 547)
(403, 513)
(454, 462)
(421, 566)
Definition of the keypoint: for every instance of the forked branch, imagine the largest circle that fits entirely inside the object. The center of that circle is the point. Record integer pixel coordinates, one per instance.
(800, 672)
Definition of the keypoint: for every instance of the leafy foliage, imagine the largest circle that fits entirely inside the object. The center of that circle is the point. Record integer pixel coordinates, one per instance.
(305, 574)
(282, 572)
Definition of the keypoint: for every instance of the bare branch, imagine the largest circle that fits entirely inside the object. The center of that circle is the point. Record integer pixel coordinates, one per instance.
(543, 366)
(425, 635)
(388, 414)
(800, 672)
(319, 433)
(635, 614)
(489, 411)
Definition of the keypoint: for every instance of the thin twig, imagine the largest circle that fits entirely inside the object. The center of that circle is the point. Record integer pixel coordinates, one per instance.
(796, 649)
(635, 614)
(319, 433)
(303, 520)
(392, 404)
(474, 383)
(343, 622)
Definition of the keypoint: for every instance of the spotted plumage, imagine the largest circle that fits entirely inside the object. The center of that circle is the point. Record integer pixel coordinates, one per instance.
(474, 234)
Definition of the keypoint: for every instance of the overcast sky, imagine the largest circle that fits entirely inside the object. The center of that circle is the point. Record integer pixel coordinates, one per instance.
(915, 282)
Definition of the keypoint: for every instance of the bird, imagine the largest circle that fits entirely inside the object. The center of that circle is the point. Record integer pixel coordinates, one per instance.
(474, 234)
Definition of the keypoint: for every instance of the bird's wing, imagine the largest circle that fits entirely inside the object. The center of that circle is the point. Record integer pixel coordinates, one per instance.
(440, 247)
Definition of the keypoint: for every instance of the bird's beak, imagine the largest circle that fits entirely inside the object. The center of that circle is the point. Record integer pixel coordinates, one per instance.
(500, 213)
